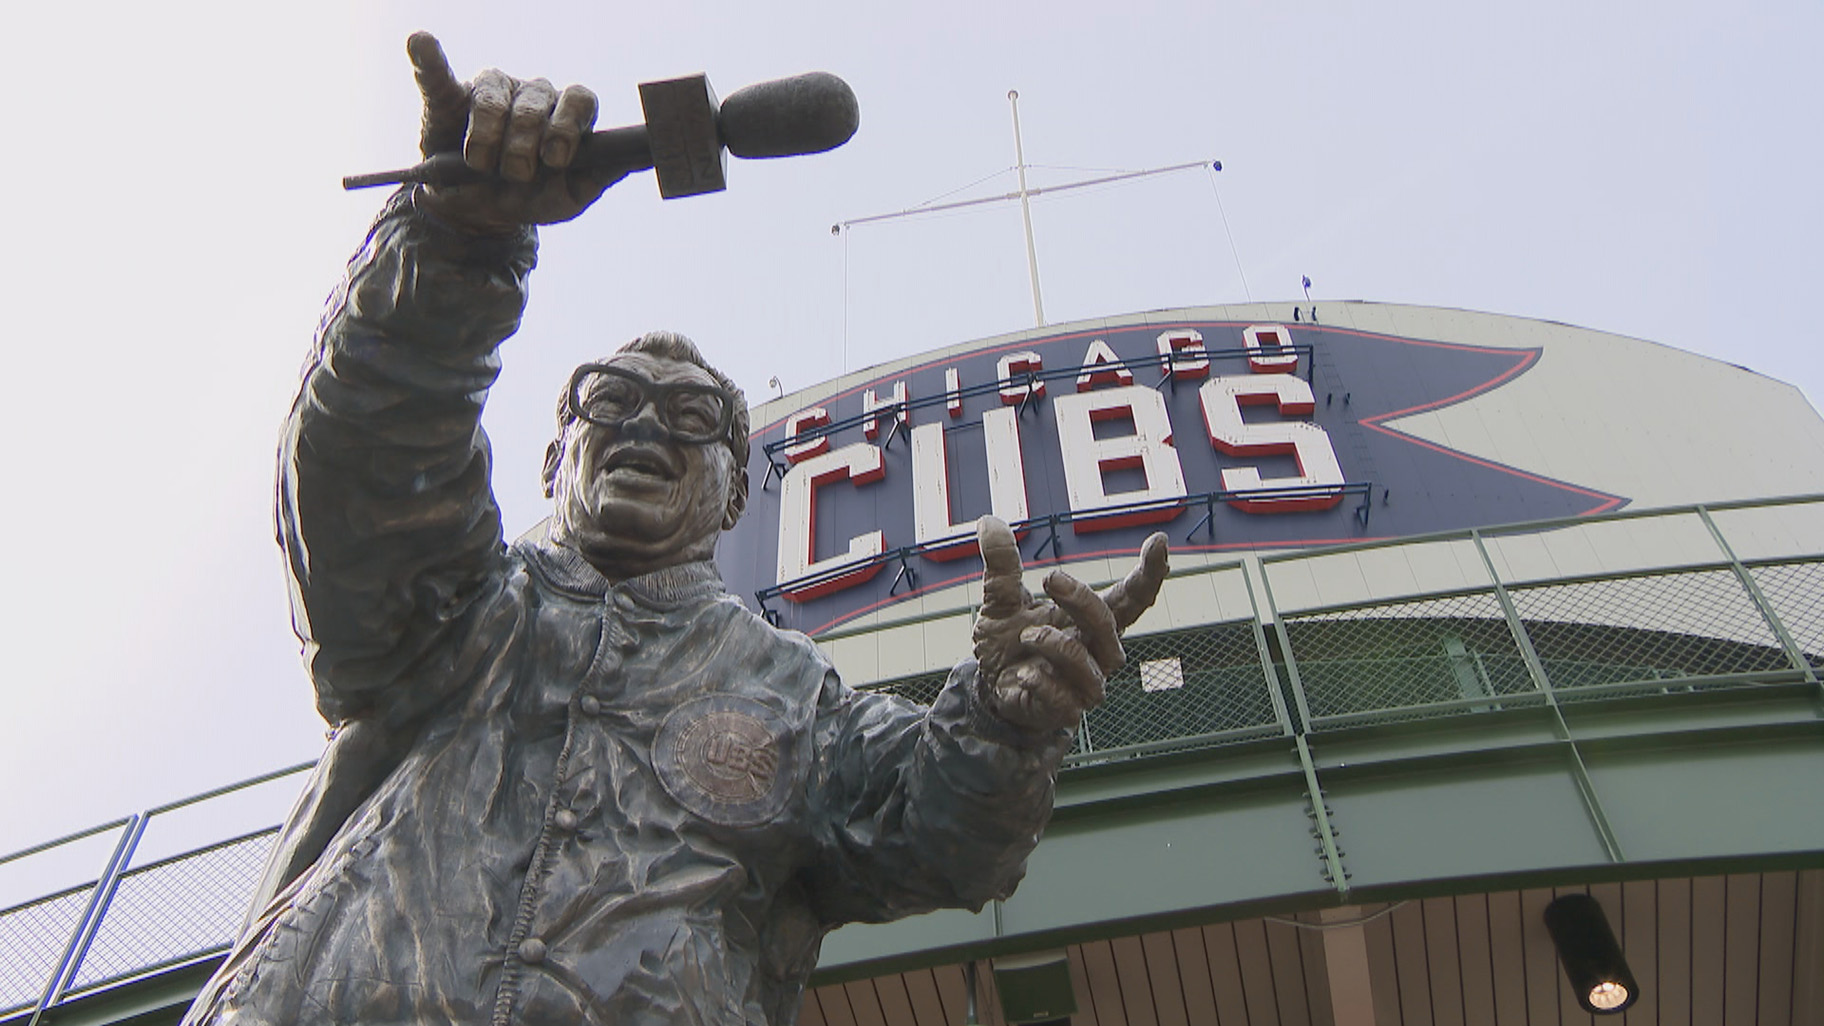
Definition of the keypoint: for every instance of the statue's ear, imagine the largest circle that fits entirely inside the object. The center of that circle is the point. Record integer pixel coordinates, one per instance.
(737, 499)
(554, 454)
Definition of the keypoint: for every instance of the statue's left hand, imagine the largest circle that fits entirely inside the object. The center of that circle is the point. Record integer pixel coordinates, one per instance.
(1044, 662)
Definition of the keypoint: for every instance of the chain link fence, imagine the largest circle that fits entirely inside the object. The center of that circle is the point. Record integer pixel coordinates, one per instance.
(1179, 689)
(1795, 590)
(921, 689)
(32, 941)
(175, 910)
(1647, 630)
(167, 912)
(1187, 688)
(1447, 655)
(1654, 630)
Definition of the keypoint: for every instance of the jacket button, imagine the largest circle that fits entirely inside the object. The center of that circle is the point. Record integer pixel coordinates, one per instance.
(591, 705)
(531, 951)
(565, 819)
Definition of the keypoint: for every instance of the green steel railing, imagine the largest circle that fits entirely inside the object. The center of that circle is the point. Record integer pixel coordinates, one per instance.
(129, 920)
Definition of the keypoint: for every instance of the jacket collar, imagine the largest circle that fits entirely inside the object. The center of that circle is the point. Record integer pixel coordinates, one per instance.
(566, 569)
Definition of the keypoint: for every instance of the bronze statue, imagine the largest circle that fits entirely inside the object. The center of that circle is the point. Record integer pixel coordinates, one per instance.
(574, 780)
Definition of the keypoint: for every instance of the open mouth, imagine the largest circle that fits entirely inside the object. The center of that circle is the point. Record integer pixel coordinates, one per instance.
(641, 461)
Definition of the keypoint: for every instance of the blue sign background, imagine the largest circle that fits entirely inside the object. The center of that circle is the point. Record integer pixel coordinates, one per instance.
(1360, 379)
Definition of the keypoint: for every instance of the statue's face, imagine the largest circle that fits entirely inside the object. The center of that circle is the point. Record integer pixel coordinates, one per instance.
(632, 497)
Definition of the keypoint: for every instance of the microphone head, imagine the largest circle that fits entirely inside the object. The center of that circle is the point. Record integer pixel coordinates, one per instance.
(789, 116)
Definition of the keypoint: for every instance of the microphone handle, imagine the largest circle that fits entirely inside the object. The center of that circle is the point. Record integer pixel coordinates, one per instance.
(625, 150)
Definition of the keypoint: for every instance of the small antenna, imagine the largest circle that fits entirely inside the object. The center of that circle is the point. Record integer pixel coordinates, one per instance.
(1024, 194)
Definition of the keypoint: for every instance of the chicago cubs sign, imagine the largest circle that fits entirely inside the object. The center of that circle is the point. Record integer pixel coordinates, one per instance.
(1227, 435)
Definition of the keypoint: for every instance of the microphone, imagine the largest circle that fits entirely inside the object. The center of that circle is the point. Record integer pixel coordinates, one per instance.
(688, 134)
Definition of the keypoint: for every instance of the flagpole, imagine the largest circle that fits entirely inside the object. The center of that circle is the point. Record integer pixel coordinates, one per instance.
(1032, 253)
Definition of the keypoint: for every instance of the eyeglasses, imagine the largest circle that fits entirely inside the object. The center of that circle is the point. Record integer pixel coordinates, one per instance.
(608, 396)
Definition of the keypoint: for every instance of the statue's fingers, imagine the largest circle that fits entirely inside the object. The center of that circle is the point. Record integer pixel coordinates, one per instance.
(525, 135)
(1095, 624)
(1076, 670)
(1135, 593)
(1002, 593)
(587, 186)
(436, 82)
(446, 100)
(490, 106)
(573, 116)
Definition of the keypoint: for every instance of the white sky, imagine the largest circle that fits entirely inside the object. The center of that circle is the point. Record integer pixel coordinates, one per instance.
(174, 221)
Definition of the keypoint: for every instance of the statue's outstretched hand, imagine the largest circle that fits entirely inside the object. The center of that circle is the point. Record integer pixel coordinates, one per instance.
(1044, 663)
(524, 133)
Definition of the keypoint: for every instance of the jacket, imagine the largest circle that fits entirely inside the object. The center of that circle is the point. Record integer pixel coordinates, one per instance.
(552, 797)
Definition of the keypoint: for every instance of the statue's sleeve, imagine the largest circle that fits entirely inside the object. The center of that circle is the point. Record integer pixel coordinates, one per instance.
(922, 809)
(385, 512)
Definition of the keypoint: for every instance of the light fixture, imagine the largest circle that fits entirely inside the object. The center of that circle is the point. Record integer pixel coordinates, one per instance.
(1036, 988)
(1591, 958)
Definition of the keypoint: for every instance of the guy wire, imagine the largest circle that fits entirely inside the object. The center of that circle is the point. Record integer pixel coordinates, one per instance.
(1230, 232)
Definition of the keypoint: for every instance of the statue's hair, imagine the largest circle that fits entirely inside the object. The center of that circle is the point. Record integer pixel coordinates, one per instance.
(669, 345)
